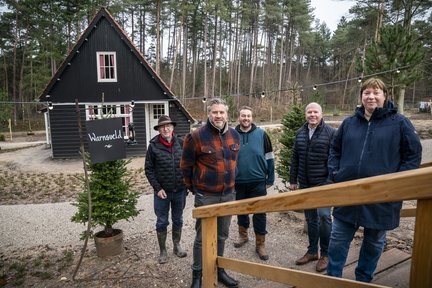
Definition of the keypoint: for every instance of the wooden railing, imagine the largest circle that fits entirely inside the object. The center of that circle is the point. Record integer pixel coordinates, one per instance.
(411, 211)
(408, 185)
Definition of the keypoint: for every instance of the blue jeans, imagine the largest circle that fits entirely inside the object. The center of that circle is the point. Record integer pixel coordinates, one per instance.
(177, 201)
(251, 190)
(223, 224)
(319, 227)
(372, 247)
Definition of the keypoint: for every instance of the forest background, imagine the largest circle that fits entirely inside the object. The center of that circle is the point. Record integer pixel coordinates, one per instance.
(268, 54)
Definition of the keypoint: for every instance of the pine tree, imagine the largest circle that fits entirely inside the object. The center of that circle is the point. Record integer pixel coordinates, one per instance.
(399, 51)
(111, 199)
(291, 122)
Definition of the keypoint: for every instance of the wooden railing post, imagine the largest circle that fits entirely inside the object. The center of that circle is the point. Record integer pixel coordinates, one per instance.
(209, 251)
(421, 264)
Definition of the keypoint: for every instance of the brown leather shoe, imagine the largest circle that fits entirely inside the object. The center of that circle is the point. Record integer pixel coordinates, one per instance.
(306, 259)
(322, 264)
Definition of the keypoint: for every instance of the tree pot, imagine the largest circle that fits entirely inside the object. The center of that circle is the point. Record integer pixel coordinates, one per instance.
(107, 246)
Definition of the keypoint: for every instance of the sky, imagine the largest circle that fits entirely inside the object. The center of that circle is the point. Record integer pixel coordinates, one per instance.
(330, 11)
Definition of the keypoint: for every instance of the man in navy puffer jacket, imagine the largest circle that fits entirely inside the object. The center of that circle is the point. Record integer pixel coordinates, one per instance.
(309, 169)
(376, 140)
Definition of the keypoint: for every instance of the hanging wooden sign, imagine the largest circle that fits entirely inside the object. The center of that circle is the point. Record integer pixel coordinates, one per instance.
(105, 140)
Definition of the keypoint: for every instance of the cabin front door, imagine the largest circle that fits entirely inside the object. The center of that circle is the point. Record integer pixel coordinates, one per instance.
(155, 110)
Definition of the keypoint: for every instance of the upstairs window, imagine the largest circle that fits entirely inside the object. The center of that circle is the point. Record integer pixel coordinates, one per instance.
(106, 66)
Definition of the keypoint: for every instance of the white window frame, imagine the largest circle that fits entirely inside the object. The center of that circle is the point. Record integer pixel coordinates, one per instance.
(111, 110)
(109, 67)
(161, 110)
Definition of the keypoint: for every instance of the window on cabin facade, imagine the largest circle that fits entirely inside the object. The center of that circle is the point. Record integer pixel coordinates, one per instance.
(158, 110)
(106, 66)
(123, 111)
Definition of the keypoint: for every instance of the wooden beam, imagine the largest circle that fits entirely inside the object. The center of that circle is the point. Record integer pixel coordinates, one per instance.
(407, 185)
(421, 264)
(426, 164)
(209, 251)
(288, 276)
(408, 212)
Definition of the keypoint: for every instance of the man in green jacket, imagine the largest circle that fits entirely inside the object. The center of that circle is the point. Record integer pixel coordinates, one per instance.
(255, 174)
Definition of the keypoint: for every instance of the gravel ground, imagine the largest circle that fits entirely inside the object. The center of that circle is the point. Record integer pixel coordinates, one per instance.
(44, 232)
(50, 223)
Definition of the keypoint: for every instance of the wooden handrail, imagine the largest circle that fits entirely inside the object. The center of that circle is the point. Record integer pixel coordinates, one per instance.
(426, 164)
(408, 185)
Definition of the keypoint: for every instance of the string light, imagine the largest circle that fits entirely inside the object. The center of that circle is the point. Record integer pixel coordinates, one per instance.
(204, 99)
(132, 103)
(50, 106)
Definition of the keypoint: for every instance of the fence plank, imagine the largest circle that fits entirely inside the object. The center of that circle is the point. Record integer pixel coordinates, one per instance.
(408, 212)
(289, 276)
(421, 264)
(407, 185)
(209, 251)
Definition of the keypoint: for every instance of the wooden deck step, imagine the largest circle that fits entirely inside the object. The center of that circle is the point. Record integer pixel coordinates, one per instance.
(389, 259)
(397, 276)
(393, 269)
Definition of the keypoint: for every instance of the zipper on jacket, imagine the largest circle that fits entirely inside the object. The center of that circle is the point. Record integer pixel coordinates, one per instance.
(363, 149)
(358, 169)
(224, 157)
(174, 170)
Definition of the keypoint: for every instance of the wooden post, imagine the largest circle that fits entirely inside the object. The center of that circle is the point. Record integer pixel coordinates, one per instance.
(10, 129)
(271, 113)
(421, 264)
(209, 251)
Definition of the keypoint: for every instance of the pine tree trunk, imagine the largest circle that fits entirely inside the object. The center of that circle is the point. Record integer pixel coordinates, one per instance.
(280, 69)
(205, 57)
(175, 55)
(401, 98)
(158, 10)
(184, 70)
(214, 56)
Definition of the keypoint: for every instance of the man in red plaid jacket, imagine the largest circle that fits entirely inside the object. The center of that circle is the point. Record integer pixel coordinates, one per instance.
(209, 164)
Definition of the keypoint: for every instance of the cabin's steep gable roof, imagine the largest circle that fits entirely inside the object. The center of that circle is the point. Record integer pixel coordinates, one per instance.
(137, 78)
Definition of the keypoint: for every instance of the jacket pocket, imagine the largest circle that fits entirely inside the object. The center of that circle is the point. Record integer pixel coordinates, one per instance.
(208, 154)
(234, 149)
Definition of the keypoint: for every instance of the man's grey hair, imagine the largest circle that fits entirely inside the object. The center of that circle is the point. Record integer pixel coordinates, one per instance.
(313, 104)
(216, 101)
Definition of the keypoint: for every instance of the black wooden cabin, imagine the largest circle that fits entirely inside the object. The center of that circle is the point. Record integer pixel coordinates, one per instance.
(107, 75)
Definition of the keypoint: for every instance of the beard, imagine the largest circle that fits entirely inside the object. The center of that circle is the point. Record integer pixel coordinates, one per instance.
(245, 124)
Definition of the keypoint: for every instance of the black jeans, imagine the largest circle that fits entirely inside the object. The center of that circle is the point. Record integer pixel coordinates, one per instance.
(223, 224)
(251, 190)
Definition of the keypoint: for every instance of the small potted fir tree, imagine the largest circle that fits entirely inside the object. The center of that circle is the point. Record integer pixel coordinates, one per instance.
(111, 201)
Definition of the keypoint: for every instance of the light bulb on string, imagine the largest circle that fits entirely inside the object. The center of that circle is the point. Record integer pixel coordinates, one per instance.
(204, 100)
(262, 94)
(397, 70)
(132, 103)
(50, 106)
(359, 80)
(315, 87)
